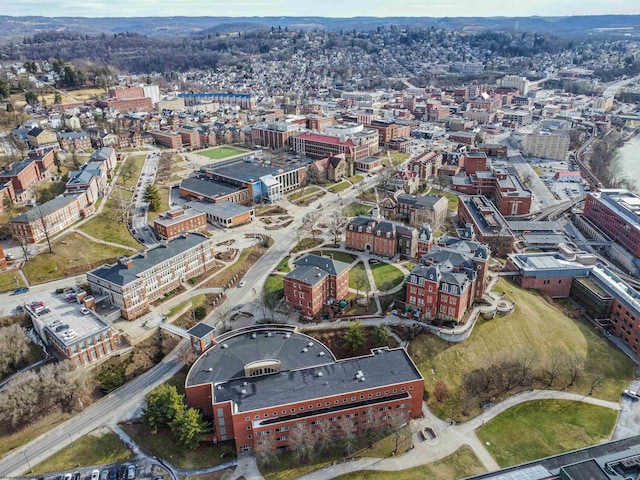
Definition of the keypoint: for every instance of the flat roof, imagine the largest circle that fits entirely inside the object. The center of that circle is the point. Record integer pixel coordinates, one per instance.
(208, 188)
(302, 359)
(247, 170)
(166, 220)
(68, 313)
(220, 210)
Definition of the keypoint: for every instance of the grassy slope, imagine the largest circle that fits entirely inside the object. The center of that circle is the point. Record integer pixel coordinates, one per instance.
(536, 326)
(460, 464)
(539, 429)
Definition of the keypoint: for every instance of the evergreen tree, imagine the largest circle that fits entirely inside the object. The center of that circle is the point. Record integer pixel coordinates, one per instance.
(163, 405)
(152, 197)
(187, 427)
(355, 337)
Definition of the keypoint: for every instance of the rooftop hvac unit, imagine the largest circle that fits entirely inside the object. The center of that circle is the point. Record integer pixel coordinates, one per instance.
(310, 344)
(220, 387)
(224, 345)
(362, 379)
(253, 335)
(318, 374)
(269, 334)
(305, 350)
(208, 369)
(243, 392)
(321, 354)
(288, 335)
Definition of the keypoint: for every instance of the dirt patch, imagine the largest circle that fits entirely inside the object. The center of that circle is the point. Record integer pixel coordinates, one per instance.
(227, 255)
(277, 210)
(334, 340)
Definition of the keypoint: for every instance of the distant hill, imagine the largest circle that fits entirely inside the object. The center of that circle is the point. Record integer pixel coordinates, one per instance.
(15, 28)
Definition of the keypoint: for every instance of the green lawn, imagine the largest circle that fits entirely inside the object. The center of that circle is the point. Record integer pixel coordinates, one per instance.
(10, 281)
(104, 227)
(87, 451)
(303, 192)
(386, 276)
(218, 153)
(356, 179)
(397, 158)
(132, 180)
(452, 198)
(462, 463)
(274, 288)
(73, 254)
(358, 278)
(340, 256)
(162, 445)
(542, 428)
(283, 266)
(339, 187)
(164, 204)
(355, 208)
(534, 326)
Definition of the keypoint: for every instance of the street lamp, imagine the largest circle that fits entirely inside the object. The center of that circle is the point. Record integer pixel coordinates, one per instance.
(24, 452)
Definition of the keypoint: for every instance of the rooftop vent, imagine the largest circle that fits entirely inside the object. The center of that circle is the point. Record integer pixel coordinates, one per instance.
(305, 350)
(318, 374)
(243, 392)
(269, 334)
(220, 387)
(208, 369)
(362, 379)
(310, 344)
(244, 384)
(287, 335)
(224, 345)
(321, 354)
(359, 374)
(253, 335)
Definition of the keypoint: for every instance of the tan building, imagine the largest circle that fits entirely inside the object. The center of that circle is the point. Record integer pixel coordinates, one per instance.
(552, 146)
(133, 283)
(42, 138)
(179, 220)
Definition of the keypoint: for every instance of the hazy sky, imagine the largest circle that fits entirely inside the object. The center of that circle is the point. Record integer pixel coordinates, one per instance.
(324, 8)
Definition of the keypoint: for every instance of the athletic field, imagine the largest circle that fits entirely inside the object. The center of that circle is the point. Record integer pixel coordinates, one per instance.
(218, 153)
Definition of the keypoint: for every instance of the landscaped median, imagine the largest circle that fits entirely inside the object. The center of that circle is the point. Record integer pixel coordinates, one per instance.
(543, 428)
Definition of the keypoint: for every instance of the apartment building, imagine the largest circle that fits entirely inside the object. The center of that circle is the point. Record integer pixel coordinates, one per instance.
(51, 217)
(389, 130)
(178, 220)
(133, 283)
(72, 141)
(265, 386)
(617, 213)
(245, 101)
(167, 138)
(551, 146)
(448, 280)
(315, 280)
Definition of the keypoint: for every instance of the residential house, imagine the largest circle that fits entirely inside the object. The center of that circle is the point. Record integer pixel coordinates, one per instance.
(39, 137)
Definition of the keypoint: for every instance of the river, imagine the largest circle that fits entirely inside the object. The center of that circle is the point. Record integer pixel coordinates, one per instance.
(629, 159)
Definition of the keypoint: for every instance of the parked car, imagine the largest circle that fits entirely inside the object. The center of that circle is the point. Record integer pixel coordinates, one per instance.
(18, 291)
(131, 472)
(95, 475)
(241, 284)
(77, 476)
(113, 474)
(85, 311)
(68, 476)
(122, 472)
(631, 394)
(104, 475)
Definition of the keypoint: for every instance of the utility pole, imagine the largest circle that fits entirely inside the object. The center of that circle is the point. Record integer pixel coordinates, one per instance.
(24, 452)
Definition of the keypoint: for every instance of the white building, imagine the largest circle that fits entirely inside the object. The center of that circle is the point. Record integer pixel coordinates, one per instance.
(552, 146)
(515, 81)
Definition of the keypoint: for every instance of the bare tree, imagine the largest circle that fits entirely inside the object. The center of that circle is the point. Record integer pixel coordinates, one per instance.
(265, 451)
(127, 170)
(301, 443)
(310, 221)
(14, 348)
(526, 360)
(596, 380)
(336, 224)
(575, 364)
(121, 207)
(556, 364)
(45, 225)
(21, 238)
(384, 177)
(348, 435)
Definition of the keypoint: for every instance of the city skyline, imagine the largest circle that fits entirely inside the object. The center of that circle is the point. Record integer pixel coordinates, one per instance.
(329, 8)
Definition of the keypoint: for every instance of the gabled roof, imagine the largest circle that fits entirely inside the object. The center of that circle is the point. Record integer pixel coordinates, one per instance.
(45, 209)
(328, 264)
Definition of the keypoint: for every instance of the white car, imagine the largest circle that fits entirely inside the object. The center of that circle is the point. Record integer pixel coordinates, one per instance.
(95, 475)
(241, 284)
(85, 311)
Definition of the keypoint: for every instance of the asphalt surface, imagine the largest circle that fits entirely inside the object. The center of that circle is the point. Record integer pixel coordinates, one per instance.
(543, 197)
(139, 227)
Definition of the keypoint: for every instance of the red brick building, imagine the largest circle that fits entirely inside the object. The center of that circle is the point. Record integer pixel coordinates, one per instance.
(190, 138)
(314, 281)
(616, 213)
(23, 176)
(448, 280)
(381, 237)
(426, 164)
(270, 388)
(168, 139)
(177, 221)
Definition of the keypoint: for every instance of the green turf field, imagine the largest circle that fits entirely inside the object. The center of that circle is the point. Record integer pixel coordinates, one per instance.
(218, 153)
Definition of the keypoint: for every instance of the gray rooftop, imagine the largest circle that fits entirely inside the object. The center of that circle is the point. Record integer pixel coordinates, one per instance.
(247, 170)
(299, 379)
(220, 210)
(166, 220)
(121, 275)
(328, 264)
(208, 188)
(16, 168)
(45, 209)
(307, 274)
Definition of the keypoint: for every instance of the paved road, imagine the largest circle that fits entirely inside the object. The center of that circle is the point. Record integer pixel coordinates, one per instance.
(107, 410)
(543, 197)
(139, 227)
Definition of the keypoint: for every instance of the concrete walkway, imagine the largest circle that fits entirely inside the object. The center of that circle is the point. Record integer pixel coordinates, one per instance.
(103, 242)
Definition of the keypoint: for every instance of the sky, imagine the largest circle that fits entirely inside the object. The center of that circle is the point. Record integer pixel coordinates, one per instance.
(322, 8)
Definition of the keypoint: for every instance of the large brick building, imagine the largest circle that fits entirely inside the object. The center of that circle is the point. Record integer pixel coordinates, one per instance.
(381, 237)
(270, 387)
(51, 217)
(274, 135)
(500, 183)
(134, 282)
(314, 145)
(448, 279)
(482, 220)
(178, 220)
(616, 213)
(314, 281)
